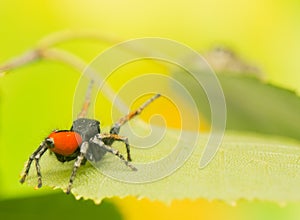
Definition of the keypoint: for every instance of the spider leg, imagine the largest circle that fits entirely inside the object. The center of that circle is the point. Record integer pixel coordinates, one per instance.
(43, 147)
(110, 138)
(37, 165)
(109, 149)
(87, 101)
(79, 161)
(116, 126)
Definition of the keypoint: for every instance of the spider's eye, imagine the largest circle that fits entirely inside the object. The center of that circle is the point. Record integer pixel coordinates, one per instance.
(49, 142)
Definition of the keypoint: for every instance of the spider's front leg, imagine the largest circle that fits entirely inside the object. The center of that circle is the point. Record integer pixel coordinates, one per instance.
(79, 161)
(99, 141)
(115, 129)
(43, 147)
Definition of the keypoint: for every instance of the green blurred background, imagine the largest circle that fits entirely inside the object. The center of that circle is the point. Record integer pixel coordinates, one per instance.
(266, 33)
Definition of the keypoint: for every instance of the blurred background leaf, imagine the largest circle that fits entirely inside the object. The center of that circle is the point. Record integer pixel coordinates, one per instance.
(252, 104)
(56, 206)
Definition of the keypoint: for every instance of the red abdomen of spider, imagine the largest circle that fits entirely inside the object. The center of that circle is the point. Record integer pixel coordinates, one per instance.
(65, 142)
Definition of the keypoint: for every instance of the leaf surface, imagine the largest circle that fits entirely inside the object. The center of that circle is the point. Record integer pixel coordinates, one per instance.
(247, 166)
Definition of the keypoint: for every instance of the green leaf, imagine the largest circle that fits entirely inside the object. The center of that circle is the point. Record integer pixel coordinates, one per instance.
(55, 206)
(247, 166)
(252, 104)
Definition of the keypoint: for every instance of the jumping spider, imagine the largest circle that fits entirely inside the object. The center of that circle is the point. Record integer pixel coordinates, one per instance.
(84, 141)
